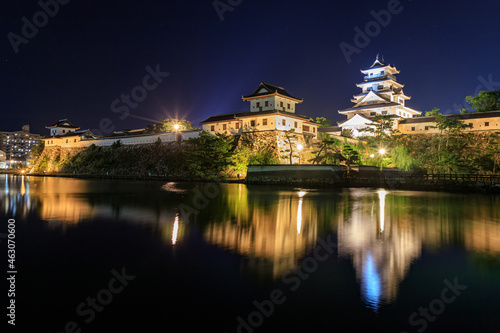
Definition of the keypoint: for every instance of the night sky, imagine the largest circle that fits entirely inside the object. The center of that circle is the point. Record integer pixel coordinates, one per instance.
(91, 52)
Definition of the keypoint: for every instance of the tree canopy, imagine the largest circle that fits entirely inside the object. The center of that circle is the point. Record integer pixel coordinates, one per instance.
(485, 101)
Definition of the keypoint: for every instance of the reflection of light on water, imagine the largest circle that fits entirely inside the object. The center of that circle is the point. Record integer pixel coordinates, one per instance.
(372, 286)
(299, 216)
(175, 230)
(23, 187)
(381, 195)
(299, 211)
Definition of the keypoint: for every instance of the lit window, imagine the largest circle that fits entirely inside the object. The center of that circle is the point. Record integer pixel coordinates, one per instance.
(283, 122)
(224, 127)
(295, 124)
(264, 121)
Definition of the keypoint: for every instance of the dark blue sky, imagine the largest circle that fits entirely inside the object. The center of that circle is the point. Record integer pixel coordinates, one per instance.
(92, 52)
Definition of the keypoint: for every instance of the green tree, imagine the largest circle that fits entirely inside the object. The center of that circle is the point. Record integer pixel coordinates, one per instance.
(36, 152)
(328, 151)
(347, 132)
(485, 101)
(290, 139)
(168, 125)
(322, 121)
(211, 156)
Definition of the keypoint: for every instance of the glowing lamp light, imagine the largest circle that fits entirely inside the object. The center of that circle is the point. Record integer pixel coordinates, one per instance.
(372, 155)
(299, 146)
(382, 151)
(176, 127)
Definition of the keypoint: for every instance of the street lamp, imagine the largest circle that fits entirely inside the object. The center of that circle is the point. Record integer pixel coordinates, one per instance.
(382, 151)
(176, 127)
(299, 148)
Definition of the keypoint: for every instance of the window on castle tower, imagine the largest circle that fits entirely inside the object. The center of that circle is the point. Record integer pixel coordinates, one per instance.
(224, 127)
(267, 103)
(264, 121)
(295, 124)
(288, 106)
(384, 112)
(413, 128)
(283, 122)
(258, 104)
(281, 104)
(237, 126)
(487, 123)
(252, 122)
(212, 128)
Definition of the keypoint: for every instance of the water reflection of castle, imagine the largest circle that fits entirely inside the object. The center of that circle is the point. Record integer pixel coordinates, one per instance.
(272, 237)
(381, 247)
(381, 232)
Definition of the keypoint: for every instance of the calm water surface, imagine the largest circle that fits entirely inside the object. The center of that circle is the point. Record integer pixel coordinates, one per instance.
(199, 257)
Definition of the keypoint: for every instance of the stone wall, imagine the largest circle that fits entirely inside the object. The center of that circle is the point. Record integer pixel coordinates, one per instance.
(277, 142)
(52, 158)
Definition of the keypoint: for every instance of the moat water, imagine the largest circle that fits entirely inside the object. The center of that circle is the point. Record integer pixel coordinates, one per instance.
(149, 256)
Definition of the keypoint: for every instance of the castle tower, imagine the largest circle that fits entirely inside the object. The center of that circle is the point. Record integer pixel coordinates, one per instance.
(381, 94)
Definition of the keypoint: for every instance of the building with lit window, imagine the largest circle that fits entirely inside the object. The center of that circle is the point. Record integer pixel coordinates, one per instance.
(3, 160)
(17, 145)
(272, 108)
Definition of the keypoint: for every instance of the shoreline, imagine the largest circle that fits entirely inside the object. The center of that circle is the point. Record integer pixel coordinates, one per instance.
(375, 182)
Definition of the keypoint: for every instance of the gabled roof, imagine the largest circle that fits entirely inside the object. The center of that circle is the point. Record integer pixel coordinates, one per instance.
(370, 106)
(380, 63)
(358, 118)
(63, 123)
(236, 115)
(267, 89)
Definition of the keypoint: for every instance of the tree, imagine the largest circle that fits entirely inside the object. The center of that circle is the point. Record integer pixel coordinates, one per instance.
(321, 121)
(288, 150)
(36, 152)
(168, 125)
(328, 151)
(210, 156)
(485, 101)
(447, 125)
(347, 133)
